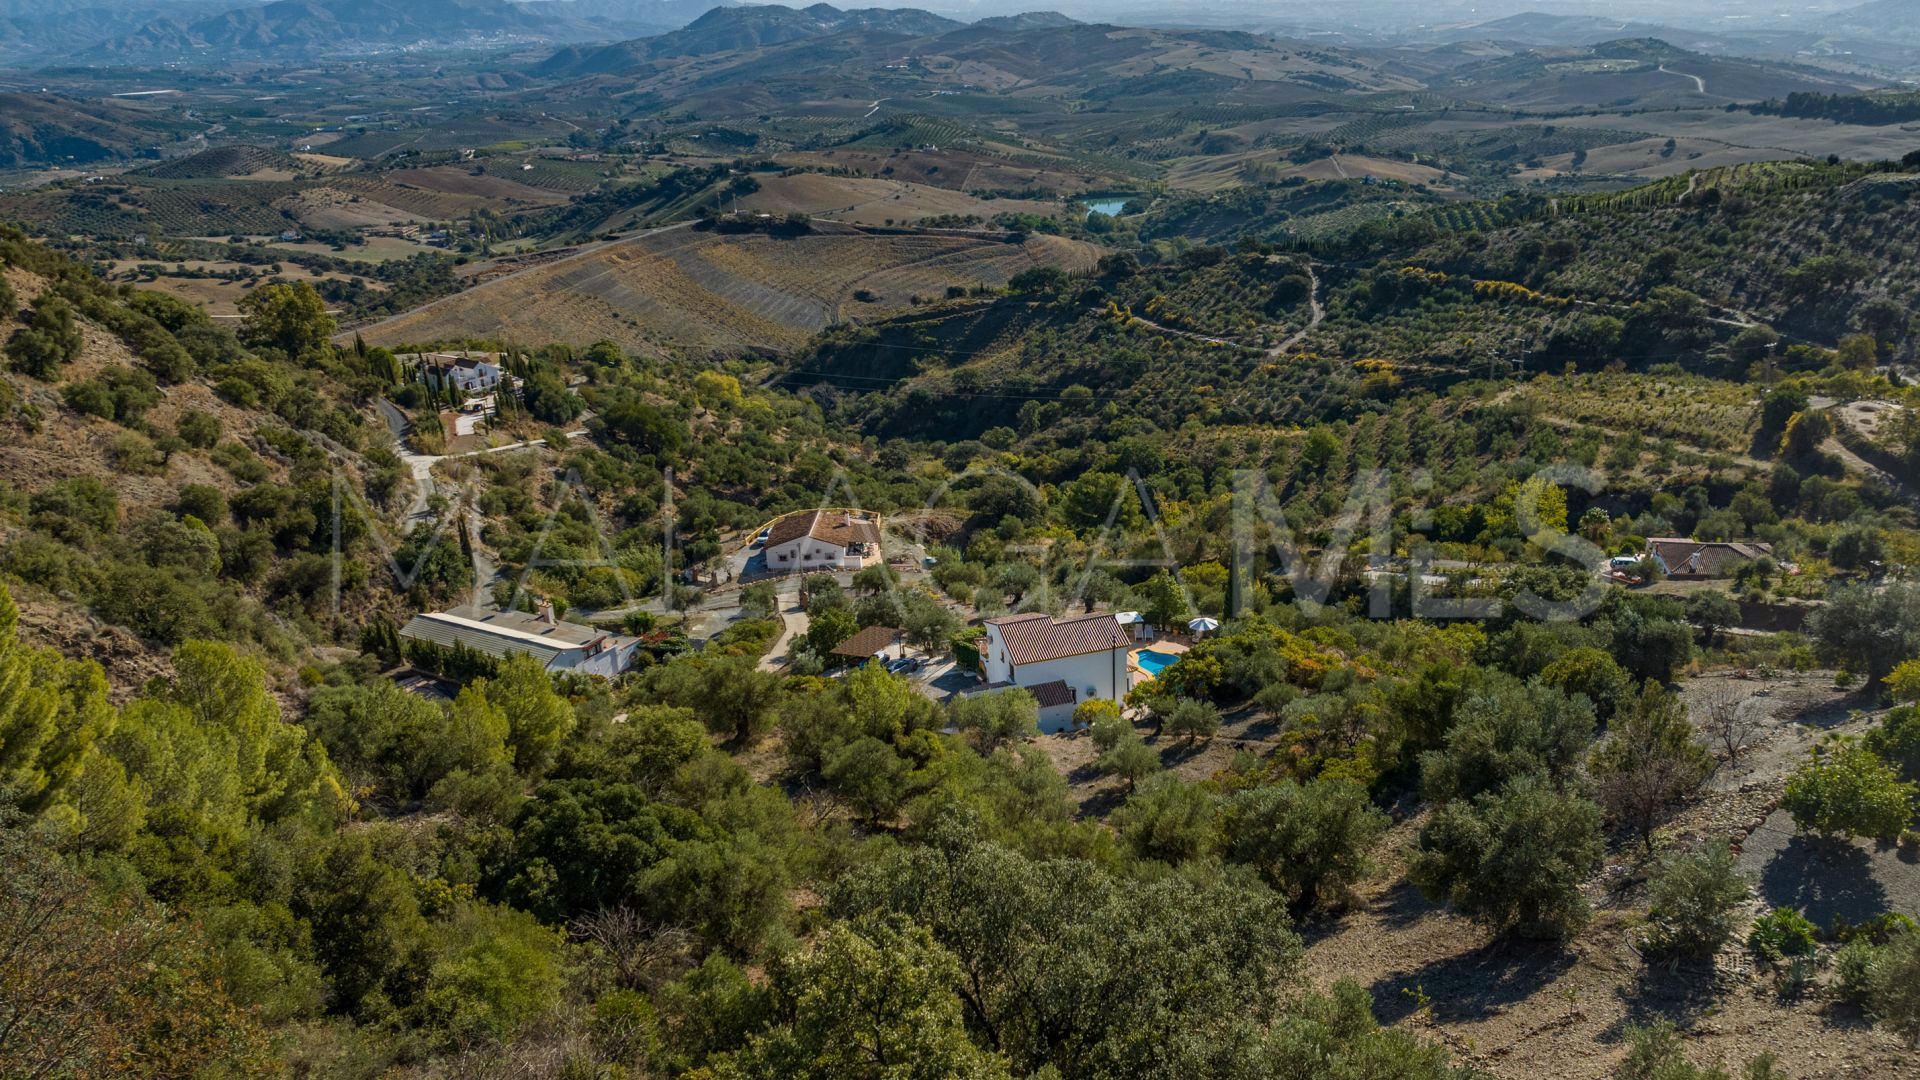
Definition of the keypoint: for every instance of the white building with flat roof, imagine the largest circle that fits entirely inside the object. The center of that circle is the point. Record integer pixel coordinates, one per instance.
(559, 646)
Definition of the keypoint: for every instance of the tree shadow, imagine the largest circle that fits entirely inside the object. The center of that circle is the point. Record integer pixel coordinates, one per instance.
(1679, 991)
(1104, 802)
(1473, 985)
(1404, 904)
(1824, 879)
(1264, 729)
(1827, 715)
(1177, 750)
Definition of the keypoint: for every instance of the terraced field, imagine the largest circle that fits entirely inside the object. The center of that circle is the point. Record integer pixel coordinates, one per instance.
(701, 293)
(865, 201)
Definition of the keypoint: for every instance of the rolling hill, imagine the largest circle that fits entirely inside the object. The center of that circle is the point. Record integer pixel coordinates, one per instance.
(51, 128)
(695, 292)
(1645, 72)
(229, 162)
(289, 28)
(734, 29)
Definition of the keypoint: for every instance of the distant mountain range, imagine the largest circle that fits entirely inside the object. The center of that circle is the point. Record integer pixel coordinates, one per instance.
(615, 36)
(323, 27)
(114, 32)
(45, 31)
(1881, 34)
(731, 29)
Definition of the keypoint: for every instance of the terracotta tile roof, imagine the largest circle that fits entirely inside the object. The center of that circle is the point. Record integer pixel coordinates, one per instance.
(838, 528)
(866, 642)
(1049, 694)
(792, 527)
(833, 527)
(1032, 638)
(1696, 558)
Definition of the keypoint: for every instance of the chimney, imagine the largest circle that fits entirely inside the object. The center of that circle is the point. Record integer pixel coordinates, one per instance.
(546, 613)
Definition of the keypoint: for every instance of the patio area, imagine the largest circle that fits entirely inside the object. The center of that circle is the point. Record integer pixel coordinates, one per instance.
(1150, 659)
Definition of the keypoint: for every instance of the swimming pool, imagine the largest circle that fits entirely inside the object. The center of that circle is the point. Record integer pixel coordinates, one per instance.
(1153, 663)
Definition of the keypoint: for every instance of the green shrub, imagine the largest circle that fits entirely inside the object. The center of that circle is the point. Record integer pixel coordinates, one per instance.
(1880, 929)
(134, 453)
(1695, 901)
(200, 430)
(1893, 984)
(1513, 860)
(241, 463)
(1849, 791)
(1193, 718)
(89, 397)
(50, 338)
(1853, 970)
(1308, 842)
(1654, 1053)
(1782, 933)
(237, 391)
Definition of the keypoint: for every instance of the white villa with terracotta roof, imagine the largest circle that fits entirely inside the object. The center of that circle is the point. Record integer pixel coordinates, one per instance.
(1061, 663)
(822, 540)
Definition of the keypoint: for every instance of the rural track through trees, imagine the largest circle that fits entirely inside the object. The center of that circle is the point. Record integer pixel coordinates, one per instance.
(1317, 315)
(1699, 83)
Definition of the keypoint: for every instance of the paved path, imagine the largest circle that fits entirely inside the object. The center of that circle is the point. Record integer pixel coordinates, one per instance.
(795, 618)
(1825, 879)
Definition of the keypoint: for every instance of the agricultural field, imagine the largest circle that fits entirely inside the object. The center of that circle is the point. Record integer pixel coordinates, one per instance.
(959, 170)
(218, 287)
(702, 293)
(861, 201)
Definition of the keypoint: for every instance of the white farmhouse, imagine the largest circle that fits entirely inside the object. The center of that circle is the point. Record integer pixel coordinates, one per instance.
(464, 372)
(559, 646)
(822, 540)
(1060, 663)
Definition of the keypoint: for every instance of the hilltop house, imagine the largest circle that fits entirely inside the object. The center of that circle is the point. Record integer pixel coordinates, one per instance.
(822, 540)
(559, 646)
(464, 372)
(1060, 663)
(1678, 558)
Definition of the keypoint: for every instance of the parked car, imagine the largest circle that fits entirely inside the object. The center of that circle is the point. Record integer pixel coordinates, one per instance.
(906, 665)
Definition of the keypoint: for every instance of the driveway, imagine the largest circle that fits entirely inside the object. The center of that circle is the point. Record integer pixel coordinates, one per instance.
(797, 623)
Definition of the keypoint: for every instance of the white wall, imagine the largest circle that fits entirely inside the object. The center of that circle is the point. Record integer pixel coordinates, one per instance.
(1092, 675)
(1058, 717)
(994, 658)
(809, 553)
(609, 662)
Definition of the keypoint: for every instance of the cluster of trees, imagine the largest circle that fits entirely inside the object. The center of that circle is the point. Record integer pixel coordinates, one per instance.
(1871, 109)
(596, 884)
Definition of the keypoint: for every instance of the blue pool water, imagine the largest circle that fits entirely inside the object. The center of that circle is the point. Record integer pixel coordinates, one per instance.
(1106, 206)
(1153, 663)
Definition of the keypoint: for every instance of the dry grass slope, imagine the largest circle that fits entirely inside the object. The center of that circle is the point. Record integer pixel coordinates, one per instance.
(704, 293)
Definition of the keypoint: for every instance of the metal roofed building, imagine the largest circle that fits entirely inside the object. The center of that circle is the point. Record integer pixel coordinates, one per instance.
(559, 646)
